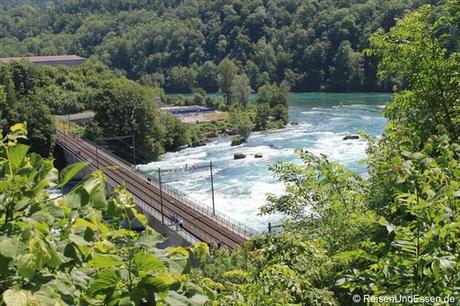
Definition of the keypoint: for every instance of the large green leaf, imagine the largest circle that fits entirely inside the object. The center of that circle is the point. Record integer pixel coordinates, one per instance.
(146, 262)
(4, 265)
(17, 131)
(98, 197)
(178, 258)
(160, 282)
(9, 246)
(55, 258)
(17, 153)
(78, 240)
(68, 173)
(176, 299)
(105, 280)
(13, 297)
(197, 300)
(27, 265)
(150, 238)
(105, 261)
(76, 198)
(126, 301)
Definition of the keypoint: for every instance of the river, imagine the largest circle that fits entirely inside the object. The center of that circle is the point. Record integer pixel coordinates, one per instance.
(241, 185)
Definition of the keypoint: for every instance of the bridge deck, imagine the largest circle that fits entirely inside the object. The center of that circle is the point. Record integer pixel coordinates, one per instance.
(199, 225)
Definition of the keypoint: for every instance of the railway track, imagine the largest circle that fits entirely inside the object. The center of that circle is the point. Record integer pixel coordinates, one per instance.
(199, 225)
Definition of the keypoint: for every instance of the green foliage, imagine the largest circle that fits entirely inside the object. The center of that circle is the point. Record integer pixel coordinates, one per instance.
(199, 98)
(262, 116)
(280, 114)
(2, 107)
(273, 94)
(60, 100)
(178, 44)
(241, 90)
(348, 69)
(418, 250)
(271, 110)
(393, 232)
(241, 121)
(198, 133)
(176, 133)
(71, 250)
(431, 98)
(19, 104)
(227, 73)
(35, 92)
(124, 107)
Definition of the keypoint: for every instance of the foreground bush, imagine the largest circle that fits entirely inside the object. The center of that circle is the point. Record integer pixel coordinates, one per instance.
(70, 249)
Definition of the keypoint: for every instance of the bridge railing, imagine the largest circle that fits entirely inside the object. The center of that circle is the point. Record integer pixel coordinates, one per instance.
(151, 210)
(220, 217)
(101, 148)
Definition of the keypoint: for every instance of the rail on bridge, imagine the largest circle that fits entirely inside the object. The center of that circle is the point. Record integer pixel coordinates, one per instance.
(158, 200)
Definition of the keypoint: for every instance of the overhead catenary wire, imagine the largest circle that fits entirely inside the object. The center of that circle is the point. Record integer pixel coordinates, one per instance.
(208, 229)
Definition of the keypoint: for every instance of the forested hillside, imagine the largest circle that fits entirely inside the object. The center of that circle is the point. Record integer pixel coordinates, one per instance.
(315, 45)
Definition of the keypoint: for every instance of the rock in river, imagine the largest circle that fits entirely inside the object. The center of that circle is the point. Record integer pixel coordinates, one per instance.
(239, 156)
(351, 137)
(236, 141)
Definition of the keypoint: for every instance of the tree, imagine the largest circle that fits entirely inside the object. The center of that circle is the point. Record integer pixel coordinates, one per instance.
(2, 97)
(21, 104)
(59, 100)
(124, 107)
(181, 79)
(348, 70)
(241, 90)
(176, 133)
(242, 122)
(262, 116)
(207, 76)
(199, 97)
(3, 122)
(270, 39)
(227, 73)
(274, 94)
(153, 80)
(40, 124)
(430, 76)
(280, 113)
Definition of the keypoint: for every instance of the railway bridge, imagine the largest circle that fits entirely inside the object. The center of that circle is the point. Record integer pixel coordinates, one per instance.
(157, 200)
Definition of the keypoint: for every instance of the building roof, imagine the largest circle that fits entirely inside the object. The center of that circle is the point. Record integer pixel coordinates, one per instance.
(43, 59)
(87, 115)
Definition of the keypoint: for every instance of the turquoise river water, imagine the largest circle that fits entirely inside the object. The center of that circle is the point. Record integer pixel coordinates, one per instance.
(241, 185)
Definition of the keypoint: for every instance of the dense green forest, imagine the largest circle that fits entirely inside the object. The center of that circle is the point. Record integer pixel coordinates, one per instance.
(34, 93)
(393, 232)
(314, 45)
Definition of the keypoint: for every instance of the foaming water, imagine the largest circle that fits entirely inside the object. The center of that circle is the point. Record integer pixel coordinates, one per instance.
(241, 185)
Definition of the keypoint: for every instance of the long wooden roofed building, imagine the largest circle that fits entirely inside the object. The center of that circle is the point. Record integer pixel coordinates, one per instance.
(53, 60)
